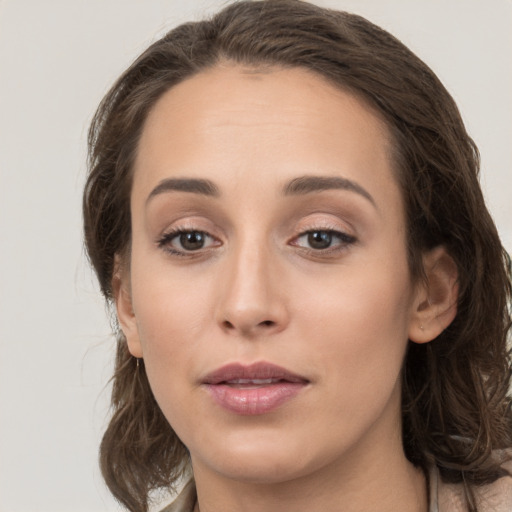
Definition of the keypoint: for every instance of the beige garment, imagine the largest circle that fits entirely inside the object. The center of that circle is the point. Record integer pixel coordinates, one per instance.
(496, 497)
(185, 501)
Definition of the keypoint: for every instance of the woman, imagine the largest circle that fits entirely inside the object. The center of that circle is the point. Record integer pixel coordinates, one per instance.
(283, 207)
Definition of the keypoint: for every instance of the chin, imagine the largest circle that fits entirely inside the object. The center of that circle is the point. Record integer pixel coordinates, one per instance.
(260, 471)
(263, 461)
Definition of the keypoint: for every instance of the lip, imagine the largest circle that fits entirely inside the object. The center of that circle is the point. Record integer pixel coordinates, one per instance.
(253, 389)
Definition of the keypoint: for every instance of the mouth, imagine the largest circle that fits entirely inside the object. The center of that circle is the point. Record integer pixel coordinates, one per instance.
(255, 389)
(251, 383)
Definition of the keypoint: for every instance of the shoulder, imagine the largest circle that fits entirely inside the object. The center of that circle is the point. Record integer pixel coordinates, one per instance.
(495, 497)
(186, 500)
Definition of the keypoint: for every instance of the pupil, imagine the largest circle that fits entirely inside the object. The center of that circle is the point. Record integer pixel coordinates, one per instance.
(319, 239)
(192, 241)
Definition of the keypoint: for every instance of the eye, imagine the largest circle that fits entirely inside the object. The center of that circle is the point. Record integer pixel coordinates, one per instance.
(323, 240)
(182, 241)
(191, 240)
(319, 239)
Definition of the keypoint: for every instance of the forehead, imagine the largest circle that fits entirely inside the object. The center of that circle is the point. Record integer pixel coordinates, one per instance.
(268, 124)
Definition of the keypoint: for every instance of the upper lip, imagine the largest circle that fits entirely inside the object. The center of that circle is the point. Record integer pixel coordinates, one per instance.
(261, 370)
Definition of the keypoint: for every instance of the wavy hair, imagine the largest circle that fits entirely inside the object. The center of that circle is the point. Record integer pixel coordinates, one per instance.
(455, 408)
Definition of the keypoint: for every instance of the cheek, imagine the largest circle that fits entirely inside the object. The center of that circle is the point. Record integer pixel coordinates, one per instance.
(360, 329)
(169, 323)
(172, 314)
(171, 304)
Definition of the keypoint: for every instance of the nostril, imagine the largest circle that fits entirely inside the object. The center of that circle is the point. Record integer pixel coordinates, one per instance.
(249, 327)
(228, 325)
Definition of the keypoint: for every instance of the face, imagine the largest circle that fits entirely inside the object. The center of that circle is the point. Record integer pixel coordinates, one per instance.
(268, 288)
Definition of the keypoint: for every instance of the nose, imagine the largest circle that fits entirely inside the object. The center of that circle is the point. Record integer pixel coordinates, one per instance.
(253, 303)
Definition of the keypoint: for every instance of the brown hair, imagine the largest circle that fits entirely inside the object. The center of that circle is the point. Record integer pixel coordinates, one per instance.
(455, 406)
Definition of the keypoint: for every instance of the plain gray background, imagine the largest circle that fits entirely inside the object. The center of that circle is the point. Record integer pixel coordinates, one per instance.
(57, 59)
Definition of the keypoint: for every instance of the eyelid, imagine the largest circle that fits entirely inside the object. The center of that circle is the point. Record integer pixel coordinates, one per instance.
(175, 233)
(345, 239)
(188, 222)
(325, 223)
(335, 232)
(164, 240)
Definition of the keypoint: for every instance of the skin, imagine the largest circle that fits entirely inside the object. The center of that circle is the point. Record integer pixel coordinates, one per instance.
(256, 291)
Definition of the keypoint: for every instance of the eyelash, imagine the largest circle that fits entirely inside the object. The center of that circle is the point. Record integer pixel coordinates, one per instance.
(165, 241)
(345, 240)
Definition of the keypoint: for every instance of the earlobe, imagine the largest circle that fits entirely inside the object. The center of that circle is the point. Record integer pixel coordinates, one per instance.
(123, 302)
(435, 305)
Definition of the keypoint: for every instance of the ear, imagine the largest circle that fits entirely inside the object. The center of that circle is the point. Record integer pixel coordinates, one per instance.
(123, 300)
(435, 303)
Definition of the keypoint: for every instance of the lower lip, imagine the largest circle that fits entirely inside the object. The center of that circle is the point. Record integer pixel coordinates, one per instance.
(256, 400)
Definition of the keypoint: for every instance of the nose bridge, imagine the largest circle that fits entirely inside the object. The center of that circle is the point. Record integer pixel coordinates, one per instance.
(251, 299)
(250, 275)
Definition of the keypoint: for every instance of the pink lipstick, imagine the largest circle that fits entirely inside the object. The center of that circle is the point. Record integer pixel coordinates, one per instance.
(254, 389)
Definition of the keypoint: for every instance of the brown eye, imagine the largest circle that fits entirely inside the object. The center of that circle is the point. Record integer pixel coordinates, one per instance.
(183, 241)
(192, 240)
(320, 239)
(326, 240)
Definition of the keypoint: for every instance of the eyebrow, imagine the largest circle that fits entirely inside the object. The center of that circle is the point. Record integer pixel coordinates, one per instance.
(308, 184)
(192, 185)
(298, 186)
